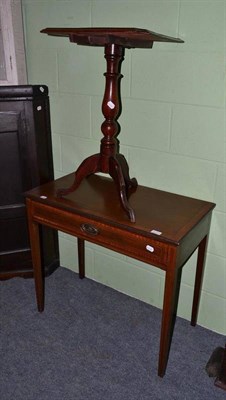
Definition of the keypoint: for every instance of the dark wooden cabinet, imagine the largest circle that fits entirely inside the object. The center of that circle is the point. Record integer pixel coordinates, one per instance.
(25, 162)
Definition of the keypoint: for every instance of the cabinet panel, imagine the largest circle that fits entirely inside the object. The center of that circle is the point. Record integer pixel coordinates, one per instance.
(13, 227)
(11, 187)
(25, 162)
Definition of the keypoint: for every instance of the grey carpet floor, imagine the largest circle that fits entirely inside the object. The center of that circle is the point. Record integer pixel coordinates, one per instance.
(92, 342)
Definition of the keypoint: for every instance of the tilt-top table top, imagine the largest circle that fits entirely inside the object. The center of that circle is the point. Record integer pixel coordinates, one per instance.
(125, 37)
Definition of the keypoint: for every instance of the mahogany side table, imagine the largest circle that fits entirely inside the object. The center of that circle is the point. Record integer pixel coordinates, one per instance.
(168, 229)
(109, 160)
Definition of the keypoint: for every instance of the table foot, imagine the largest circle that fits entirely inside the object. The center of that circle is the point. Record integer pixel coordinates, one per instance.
(131, 183)
(118, 169)
(89, 166)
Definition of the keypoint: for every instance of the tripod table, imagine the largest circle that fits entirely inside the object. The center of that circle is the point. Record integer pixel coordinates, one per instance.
(109, 160)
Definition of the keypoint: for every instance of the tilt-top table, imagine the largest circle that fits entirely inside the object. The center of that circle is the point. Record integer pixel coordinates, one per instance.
(109, 160)
(167, 230)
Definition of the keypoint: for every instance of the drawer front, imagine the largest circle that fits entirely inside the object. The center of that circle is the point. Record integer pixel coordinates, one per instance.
(131, 244)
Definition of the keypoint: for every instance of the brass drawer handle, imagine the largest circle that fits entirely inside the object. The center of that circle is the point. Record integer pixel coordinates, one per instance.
(90, 229)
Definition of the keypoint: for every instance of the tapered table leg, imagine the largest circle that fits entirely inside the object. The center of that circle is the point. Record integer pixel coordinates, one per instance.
(198, 279)
(171, 294)
(36, 257)
(81, 257)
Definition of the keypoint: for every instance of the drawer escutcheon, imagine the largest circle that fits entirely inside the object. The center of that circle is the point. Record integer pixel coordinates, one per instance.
(89, 229)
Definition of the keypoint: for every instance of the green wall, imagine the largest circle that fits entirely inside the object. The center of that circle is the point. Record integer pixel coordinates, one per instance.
(172, 125)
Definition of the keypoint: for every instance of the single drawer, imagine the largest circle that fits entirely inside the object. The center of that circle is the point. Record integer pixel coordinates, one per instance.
(118, 239)
(131, 244)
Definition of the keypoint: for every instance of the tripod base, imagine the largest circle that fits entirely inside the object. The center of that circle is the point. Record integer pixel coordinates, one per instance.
(119, 171)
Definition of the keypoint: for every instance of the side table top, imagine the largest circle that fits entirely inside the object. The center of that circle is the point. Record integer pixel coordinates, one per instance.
(126, 37)
(156, 211)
